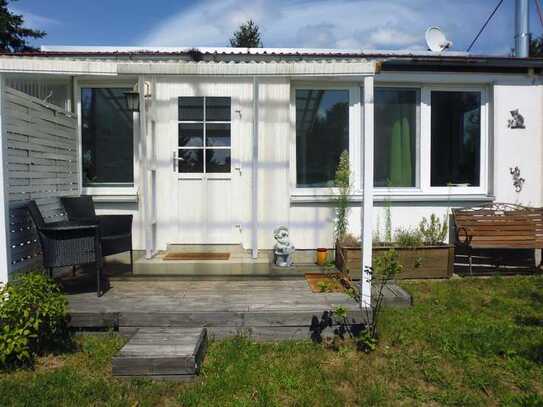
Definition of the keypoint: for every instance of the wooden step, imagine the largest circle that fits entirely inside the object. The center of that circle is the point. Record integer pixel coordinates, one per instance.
(162, 354)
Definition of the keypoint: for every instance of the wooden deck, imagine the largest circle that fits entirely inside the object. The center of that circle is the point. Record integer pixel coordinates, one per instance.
(263, 308)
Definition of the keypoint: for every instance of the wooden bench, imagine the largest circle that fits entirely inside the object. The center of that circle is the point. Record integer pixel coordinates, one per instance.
(498, 226)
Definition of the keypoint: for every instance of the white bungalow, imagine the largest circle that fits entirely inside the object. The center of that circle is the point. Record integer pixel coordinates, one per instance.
(227, 144)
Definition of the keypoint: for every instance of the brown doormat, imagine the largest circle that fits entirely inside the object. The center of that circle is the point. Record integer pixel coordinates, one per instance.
(196, 256)
(324, 283)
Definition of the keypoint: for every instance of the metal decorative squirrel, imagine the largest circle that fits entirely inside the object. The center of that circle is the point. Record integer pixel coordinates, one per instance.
(518, 181)
(517, 120)
(283, 251)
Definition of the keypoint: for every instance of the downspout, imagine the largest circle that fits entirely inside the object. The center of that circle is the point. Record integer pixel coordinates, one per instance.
(522, 29)
(254, 174)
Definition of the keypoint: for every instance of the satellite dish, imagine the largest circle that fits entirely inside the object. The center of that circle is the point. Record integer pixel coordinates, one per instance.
(436, 40)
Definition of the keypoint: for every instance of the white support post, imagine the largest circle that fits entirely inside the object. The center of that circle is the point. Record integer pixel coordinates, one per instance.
(254, 170)
(367, 194)
(144, 176)
(5, 252)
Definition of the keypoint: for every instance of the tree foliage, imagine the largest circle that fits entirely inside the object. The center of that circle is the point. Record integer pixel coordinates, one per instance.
(247, 36)
(536, 47)
(13, 34)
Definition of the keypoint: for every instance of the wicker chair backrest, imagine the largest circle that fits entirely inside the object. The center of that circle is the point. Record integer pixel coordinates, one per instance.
(79, 207)
(35, 214)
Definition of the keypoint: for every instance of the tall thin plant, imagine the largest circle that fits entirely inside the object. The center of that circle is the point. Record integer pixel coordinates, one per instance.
(386, 268)
(388, 221)
(342, 182)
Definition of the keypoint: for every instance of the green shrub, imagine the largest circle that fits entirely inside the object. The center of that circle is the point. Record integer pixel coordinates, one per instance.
(408, 238)
(33, 319)
(433, 231)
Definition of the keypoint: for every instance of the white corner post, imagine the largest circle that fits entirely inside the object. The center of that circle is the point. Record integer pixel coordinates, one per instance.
(254, 171)
(5, 259)
(144, 174)
(367, 194)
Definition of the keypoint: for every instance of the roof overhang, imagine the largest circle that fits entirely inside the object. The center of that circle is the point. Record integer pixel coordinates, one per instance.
(109, 66)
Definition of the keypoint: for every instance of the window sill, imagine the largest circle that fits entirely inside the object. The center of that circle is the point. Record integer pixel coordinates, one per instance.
(107, 194)
(400, 197)
(115, 198)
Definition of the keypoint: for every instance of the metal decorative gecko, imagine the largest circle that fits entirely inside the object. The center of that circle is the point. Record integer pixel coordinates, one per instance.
(518, 181)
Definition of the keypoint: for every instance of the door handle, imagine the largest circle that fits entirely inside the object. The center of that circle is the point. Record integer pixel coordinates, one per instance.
(174, 161)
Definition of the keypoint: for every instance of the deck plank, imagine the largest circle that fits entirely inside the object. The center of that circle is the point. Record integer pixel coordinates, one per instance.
(222, 306)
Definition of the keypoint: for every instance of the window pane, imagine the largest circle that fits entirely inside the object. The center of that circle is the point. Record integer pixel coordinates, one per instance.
(395, 137)
(191, 135)
(456, 138)
(322, 134)
(191, 160)
(107, 137)
(218, 135)
(217, 160)
(217, 109)
(191, 108)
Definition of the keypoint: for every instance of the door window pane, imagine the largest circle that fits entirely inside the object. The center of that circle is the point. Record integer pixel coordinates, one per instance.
(218, 135)
(217, 109)
(456, 138)
(217, 160)
(322, 134)
(191, 135)
(191, 108)
(191, 160)
(212, 138)
(107, 137)
(395, 137)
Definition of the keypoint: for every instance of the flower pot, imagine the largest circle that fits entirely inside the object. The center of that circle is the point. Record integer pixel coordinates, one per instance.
(322, 256)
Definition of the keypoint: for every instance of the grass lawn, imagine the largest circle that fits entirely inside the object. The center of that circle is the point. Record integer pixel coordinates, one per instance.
(465, 342)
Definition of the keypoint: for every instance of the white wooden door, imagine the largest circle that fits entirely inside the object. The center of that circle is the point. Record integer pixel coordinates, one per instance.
(202, 163)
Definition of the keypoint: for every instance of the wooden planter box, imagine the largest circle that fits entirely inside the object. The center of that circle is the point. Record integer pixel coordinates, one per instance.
(420, 262)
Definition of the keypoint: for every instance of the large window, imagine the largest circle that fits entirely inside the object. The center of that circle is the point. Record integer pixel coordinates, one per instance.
(107, 138)
(322, 134)
(204, 135)
(428, 139)
(456, 138)
(396, 132)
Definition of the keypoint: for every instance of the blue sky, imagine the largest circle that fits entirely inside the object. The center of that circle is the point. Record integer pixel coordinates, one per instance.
(370, 24)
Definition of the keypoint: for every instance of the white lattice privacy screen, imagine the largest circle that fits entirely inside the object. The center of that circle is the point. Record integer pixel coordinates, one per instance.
(42, 164)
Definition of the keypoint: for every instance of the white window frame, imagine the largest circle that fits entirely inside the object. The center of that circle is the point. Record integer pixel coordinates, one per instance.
(417, 188)
(204, 122)
(423, 190)
(129, 190)
(355, 116)
(426, 140)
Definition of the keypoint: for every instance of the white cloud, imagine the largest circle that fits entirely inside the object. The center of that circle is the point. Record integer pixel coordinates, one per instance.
(370, 24)
(35, 21)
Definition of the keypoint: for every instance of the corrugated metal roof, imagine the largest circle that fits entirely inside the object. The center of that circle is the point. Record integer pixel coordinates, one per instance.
(227, 54)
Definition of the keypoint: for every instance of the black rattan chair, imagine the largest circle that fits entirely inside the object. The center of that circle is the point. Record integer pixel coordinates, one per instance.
(68, 243)
(115, 230)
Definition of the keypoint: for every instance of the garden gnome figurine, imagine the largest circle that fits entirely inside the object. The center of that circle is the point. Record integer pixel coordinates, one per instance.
(283, 251)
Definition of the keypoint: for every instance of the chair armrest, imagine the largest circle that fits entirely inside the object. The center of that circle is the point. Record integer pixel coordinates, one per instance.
(69, 226)
(115, 224)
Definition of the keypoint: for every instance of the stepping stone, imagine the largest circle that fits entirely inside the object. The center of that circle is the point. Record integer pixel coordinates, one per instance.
(162, 354)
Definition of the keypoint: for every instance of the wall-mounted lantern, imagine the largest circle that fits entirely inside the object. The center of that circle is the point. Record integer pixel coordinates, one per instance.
(132, 101)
